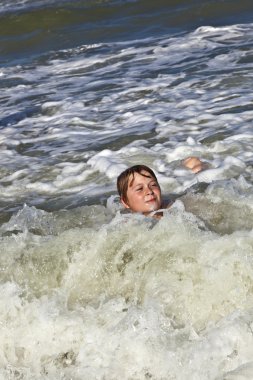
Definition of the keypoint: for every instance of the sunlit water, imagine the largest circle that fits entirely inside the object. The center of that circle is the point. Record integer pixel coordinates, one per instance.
(87, 290)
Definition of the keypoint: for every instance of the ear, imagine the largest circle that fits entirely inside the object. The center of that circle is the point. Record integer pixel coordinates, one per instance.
(124, 203)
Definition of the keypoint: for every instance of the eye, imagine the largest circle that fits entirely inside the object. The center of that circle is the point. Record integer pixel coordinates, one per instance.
(154, 184)
(139, 189)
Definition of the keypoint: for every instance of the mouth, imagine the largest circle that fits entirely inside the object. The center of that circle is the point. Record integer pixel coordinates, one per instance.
(151, 200)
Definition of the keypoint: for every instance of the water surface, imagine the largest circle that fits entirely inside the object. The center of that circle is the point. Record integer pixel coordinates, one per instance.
(87, 89)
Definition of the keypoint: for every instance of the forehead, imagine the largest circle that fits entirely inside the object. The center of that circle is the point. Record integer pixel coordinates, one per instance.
(143, 176)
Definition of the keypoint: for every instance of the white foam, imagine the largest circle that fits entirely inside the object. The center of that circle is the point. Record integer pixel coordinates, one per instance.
(132, 298)
(105, 163)
(128, 111)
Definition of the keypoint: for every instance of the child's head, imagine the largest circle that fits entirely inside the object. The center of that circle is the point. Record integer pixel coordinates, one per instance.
(139, 189)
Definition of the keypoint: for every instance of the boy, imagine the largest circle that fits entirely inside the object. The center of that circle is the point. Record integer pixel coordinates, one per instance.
(139, 189)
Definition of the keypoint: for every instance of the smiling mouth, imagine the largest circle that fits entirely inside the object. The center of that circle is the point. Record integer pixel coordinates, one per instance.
(151, 200)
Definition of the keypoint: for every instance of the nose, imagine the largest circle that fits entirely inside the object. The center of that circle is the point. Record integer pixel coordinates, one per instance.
(149, 190)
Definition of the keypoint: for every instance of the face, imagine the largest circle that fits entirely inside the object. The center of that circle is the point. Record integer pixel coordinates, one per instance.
(143, 193)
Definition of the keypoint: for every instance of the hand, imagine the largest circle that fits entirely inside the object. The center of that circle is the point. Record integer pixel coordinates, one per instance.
(194, 164)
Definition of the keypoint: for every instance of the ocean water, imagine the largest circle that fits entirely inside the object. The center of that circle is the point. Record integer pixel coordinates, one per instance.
(89, 88)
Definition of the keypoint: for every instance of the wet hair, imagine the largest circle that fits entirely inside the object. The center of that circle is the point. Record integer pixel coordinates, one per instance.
(123, 178)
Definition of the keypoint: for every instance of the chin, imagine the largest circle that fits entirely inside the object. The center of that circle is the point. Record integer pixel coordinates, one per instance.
(153, 207)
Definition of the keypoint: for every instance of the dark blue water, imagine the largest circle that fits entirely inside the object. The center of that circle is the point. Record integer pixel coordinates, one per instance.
(33, 28)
